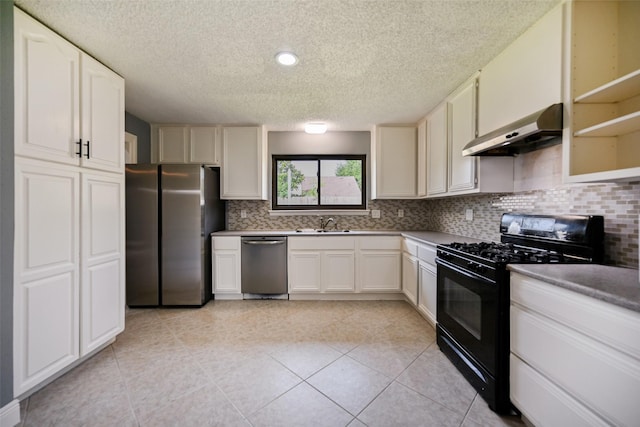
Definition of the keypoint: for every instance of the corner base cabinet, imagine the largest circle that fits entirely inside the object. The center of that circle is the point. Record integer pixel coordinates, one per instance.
(575, 360)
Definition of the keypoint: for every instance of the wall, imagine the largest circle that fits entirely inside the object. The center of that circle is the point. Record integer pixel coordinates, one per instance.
(539, 189)
(6, 202)
(142, 130)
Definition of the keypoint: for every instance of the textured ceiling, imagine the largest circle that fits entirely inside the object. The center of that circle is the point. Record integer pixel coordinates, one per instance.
(362, 62)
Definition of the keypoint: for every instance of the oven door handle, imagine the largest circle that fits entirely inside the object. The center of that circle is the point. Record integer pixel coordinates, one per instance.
(466, 273)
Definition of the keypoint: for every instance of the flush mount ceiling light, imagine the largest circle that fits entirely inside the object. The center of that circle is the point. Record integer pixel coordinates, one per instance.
(287, 58)
(315, 128)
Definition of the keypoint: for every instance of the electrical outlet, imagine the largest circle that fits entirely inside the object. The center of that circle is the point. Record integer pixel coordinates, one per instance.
(468, 215)
(400, 213)
(375, 213)
(243, 213)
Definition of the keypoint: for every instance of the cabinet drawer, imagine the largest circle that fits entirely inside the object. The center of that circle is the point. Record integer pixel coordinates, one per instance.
(321, 243)
(616, 326)
(410, 247)
(226, 243)
(427, 254)
(604, 379)
(542, 402)
(381, 243)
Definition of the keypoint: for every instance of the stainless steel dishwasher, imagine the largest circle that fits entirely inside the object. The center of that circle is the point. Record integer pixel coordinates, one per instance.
(264, 265)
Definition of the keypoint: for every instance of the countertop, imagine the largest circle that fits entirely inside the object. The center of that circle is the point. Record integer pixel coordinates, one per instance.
(428, 237)
(615, 285)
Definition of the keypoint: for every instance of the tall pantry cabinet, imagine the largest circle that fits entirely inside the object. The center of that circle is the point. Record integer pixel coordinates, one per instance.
(69, 204)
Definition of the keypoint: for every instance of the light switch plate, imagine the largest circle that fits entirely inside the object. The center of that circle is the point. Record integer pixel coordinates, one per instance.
(243, 213)
(468, 215)
(375, 213)
(400, 213)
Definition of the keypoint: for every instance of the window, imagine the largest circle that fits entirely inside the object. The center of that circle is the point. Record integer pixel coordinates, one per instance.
(319, 182)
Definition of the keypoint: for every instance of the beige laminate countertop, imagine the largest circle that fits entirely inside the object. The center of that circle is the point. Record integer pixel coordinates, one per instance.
(618, 286)
(427, 237)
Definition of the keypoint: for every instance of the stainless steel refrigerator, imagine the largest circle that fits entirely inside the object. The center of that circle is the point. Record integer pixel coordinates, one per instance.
(171, 212)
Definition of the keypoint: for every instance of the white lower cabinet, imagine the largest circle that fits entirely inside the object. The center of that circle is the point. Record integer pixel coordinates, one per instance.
(410, 278)
(102, 288)
(575, 360)
(321, 264)
(331, 264)
(226, 267)
(410, 270)
(419, 277)
(68, 278)
(427, 291)
(379, 264)
(338, 271)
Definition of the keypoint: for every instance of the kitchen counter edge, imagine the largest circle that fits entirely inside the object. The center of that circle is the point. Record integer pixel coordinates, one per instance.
(615, 285)
(427, 237)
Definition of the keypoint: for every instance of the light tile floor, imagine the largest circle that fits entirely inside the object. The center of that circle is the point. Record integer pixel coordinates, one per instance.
(267, 363)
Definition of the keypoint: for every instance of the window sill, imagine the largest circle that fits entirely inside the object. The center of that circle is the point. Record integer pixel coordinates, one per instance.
(318, 212)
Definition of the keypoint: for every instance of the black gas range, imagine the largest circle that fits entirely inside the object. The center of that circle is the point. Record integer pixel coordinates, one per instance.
(473, 291)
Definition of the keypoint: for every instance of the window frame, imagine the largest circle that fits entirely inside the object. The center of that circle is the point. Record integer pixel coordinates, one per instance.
(319, 206)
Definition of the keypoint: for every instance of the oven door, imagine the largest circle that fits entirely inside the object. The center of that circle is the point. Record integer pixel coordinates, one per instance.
(468, 311)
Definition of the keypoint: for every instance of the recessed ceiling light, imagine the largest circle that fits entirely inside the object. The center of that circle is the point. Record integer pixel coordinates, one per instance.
(287, 58)
(315, 128)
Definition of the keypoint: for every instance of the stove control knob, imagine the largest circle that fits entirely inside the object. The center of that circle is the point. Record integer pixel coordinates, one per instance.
(479, 268)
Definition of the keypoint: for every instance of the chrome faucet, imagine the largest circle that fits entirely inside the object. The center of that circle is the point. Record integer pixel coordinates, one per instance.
(323, 225)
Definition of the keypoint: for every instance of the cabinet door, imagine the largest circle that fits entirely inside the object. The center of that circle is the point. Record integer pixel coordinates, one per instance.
(204, 146)
(47, 87)
(380, 271)
(102, 117)
(243, 163)
(103, 284)
(462, 129)
(47, 268)
(304, 271)
(437, 151)
(396, 162)
(226, 272)
(514, 85)
(172, 144)
(410, 278)
(427, 291)
(338, 271)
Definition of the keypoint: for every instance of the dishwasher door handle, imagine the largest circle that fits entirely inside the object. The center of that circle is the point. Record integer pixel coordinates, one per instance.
(263, 242)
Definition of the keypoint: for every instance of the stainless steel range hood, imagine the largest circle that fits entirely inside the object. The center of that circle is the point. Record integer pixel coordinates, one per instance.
(533, 132)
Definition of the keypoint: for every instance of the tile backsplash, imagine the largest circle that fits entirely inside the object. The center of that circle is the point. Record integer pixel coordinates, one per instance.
(619, 203)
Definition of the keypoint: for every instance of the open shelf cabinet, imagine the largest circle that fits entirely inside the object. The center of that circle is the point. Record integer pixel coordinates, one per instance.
(602, 142)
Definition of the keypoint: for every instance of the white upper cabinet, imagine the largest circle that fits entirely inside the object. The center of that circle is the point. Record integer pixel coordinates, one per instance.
(172, 144)
(47, 89)
(450, 127)
(526, 77)
(102, 117)
(601, 141)
(69, 107)
(204, 145)
(398, 165)
(461, 111)
(186, 144)
(437, 151)
(244, 158)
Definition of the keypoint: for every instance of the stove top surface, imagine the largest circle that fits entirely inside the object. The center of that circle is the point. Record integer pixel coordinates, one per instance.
(506, 253)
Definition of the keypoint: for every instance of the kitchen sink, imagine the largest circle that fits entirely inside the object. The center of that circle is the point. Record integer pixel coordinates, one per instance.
(319, 230)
